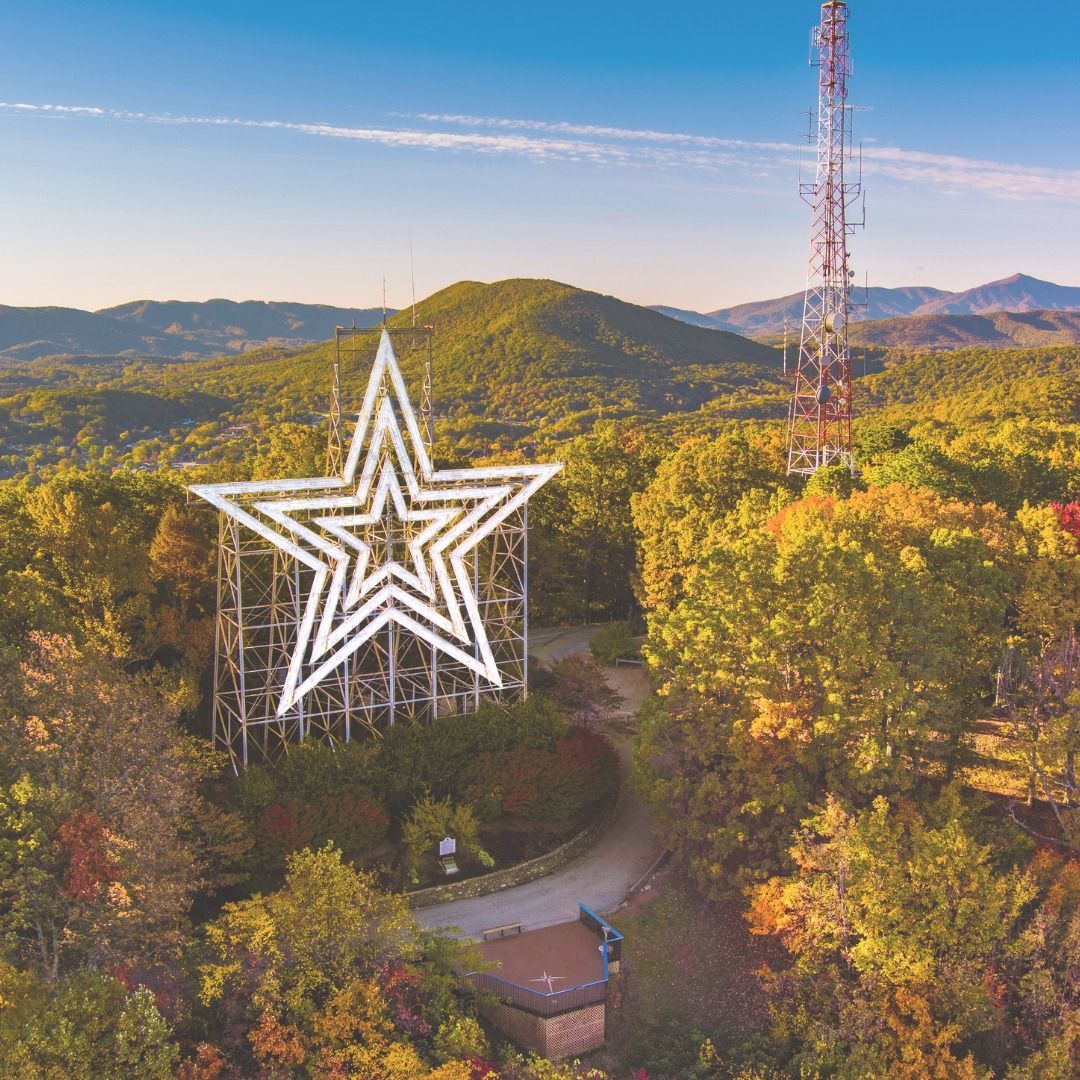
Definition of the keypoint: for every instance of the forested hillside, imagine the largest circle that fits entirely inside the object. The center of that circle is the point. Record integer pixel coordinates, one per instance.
(973, 383)
(514, 362)
(865, 727)
(528, 352)
(1000, 329)
(865, 687)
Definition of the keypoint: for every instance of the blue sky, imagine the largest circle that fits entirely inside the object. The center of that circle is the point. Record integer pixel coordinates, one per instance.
(289, 151)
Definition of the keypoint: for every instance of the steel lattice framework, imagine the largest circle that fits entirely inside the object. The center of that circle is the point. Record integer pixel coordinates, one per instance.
(386, 591)
(819, 418)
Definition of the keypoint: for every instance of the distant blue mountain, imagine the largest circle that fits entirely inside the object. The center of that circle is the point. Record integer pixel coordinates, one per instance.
(767, 318)
(171, 327)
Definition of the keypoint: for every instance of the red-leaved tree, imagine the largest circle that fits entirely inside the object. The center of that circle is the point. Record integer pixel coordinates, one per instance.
(1069, 515)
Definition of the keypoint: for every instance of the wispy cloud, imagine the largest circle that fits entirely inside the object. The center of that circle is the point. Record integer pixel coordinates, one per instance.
(596, 131)
(529, 146)
(477, 142)
(70, 110)
(960, 175)
(546, 141)
(954, 173)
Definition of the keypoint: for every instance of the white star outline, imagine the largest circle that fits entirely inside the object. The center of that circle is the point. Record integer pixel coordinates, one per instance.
(437, 499)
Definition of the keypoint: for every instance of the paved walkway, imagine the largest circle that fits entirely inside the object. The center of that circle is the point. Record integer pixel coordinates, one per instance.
(601, 877)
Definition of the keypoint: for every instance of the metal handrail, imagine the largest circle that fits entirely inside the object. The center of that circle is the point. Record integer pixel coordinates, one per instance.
(611, 949)
(536, 1001)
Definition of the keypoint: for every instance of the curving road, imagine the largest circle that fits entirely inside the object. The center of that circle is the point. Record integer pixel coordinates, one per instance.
(602, 876)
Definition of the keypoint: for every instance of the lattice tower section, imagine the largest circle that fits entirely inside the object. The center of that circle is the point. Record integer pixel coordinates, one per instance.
(819, 418)
(395, 678)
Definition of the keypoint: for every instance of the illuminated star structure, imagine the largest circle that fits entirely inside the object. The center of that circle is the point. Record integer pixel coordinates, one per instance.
(391, 547)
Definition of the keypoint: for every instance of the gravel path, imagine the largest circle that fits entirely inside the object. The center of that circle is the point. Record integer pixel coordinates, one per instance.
(601, 877)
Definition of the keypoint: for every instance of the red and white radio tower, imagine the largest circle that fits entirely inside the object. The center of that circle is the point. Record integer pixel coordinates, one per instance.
(819, 420)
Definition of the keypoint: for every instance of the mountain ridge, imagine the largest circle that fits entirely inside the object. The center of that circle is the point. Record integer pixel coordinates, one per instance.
(220, 327)
(517, 364)
(995, 329)
(170, 328)
(768, 318)
(1019, 292)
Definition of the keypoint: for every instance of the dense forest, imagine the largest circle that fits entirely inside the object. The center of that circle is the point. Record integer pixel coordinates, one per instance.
(862, 739)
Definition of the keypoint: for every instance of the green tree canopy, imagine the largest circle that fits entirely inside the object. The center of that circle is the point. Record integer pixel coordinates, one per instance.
(843, 646)
(685, 511)
(895, 922)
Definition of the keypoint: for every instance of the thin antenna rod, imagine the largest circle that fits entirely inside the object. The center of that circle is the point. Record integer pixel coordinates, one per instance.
(412, 276)
(384, 300)
(335, 451)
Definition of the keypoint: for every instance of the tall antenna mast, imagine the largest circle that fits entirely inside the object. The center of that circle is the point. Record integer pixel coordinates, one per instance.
(819, 419)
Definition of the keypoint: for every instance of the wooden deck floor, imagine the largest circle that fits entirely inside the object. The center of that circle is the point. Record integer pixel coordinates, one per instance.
(569, 953)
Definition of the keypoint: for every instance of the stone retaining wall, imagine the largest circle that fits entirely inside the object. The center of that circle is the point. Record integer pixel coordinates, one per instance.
(523, 872)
